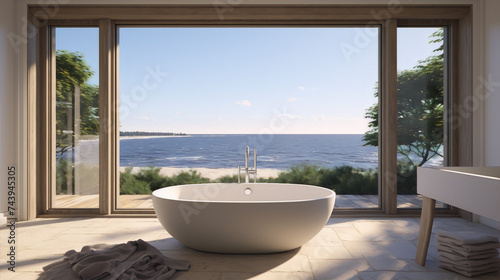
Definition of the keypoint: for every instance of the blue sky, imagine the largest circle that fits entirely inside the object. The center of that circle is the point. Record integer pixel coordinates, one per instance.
(247, 80)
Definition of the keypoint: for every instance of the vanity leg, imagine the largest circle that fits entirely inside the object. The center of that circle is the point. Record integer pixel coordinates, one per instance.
(424, 233)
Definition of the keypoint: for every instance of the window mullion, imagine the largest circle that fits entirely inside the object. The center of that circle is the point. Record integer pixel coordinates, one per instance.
(388, 113)
(106, 119)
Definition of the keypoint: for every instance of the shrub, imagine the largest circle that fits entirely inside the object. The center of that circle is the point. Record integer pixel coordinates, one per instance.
(234, 179)
(188, 177)
(149, 179)
(407, 177)
(228, 179)
(151, 175)
(355, 181)
(342, 179)
(300, 174)
(62, 167)
(129, 184)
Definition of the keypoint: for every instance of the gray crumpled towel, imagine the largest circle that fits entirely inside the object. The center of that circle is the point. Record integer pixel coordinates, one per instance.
(134, 260)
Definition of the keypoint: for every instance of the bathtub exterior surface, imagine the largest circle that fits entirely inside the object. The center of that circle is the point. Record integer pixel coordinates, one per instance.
(243, 218)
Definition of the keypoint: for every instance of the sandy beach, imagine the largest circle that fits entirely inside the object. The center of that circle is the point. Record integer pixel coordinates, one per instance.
(210, 172)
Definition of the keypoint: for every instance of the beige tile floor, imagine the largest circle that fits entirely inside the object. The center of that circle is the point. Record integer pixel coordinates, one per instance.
(346, 248)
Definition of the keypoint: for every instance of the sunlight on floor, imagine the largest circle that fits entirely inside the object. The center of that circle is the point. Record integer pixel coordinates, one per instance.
(346, 248)
(145, 201)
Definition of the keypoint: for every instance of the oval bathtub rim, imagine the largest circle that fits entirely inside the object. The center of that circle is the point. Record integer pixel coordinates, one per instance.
(332, 194)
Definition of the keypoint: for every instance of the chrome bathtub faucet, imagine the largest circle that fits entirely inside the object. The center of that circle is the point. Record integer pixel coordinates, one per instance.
(249, 170)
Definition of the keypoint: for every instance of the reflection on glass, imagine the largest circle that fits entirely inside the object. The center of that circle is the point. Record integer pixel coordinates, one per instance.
(77, 119)
(420, 108)
(191, 99)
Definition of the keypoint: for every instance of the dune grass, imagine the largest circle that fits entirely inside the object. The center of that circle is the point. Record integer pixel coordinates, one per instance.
(343, 179)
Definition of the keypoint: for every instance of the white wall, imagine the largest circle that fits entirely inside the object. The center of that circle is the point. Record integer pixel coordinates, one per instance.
(492, 92)
(7, 98)
(490, 77)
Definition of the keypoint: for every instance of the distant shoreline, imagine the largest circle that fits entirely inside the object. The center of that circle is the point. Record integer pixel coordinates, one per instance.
(151, 136)
(211, 173)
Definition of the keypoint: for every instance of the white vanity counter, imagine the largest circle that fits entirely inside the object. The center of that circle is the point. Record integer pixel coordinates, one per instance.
(474, 189)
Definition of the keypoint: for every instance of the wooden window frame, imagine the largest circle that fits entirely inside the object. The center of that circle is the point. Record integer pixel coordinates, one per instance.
(457, 18)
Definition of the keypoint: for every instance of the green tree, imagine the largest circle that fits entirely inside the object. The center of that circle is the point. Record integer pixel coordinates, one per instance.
(73, 71)
(419, 112)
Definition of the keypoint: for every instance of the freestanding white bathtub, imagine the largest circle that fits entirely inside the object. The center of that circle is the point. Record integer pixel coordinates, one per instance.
(243, 218)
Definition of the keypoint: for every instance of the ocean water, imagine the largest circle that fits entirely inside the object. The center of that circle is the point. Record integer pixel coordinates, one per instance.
(276, 151)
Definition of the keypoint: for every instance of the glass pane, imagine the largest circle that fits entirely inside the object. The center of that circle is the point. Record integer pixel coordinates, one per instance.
(77, 118)
(191, 99)
(420, 107)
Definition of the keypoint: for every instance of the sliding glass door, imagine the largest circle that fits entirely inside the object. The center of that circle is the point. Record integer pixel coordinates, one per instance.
(75, 64)
(421, 106)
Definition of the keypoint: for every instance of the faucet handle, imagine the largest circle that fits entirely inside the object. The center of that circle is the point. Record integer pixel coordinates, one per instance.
(239, 174)
(255, 165)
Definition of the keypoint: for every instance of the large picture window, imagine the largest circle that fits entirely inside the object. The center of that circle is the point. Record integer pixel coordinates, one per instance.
(129, 104)
(196, 97)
